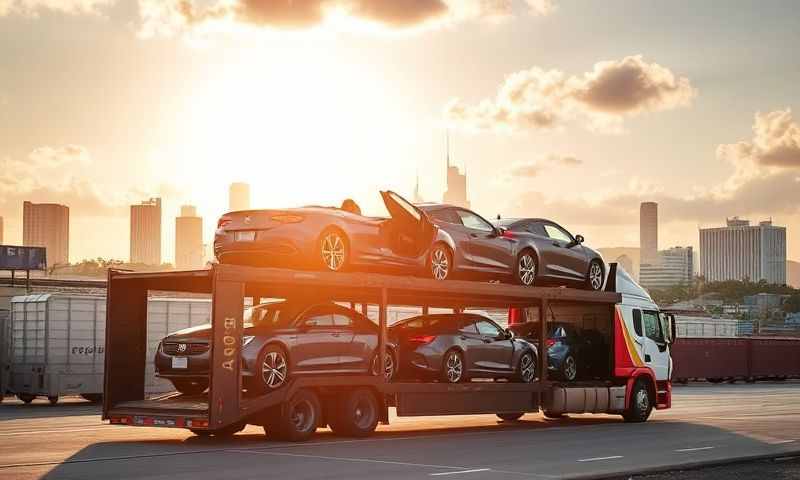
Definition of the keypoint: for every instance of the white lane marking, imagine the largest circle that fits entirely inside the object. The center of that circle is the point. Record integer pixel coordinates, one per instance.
(597, 459)
(695, 449)
(36, 432)
(460, 472)
(781, 442)
(347, 459)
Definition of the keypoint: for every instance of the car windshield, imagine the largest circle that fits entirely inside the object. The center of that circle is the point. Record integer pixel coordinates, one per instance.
(271, 315)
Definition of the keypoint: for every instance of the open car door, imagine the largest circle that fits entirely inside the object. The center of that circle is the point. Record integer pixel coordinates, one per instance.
(413, 229)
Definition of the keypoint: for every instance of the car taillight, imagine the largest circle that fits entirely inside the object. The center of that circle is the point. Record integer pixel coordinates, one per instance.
(507, 234)
(421, 338)
(223, 221)
(286, 218)
(549, 342)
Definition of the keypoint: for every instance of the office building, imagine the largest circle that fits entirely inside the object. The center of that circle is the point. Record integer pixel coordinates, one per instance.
(793, 273)
(674, 266)
(47, 225)
(146, 232)
(239, 196)
(648, 232)
(742, 251)
(188, 239)
(456, 192)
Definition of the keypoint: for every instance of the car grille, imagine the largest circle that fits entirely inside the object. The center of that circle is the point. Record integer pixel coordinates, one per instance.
(191, 348)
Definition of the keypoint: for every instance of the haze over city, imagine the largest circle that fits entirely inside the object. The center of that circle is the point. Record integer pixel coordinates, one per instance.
(570, 110)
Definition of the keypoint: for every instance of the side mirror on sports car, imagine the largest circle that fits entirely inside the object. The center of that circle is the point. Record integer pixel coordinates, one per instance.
(579, 239)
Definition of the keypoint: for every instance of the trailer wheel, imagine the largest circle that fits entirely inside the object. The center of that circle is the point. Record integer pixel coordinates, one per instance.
(53, 399)
(510, 417)
(297, 420)
(641, 403)
(355, 415)
(26, 397)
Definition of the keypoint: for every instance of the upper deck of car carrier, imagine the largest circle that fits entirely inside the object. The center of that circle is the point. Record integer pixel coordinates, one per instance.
(225, 404)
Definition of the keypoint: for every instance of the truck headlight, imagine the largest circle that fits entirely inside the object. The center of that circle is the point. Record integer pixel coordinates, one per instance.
(247, 339)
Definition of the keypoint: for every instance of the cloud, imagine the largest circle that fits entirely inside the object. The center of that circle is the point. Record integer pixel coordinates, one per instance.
(775, 143)
(168, 17)
(50, 157)
(534, 168)
(33, 8)
(538, 99)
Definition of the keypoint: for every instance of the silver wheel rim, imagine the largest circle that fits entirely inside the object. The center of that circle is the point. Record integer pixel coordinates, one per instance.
(333, 251)
(527, 269)
(642, 400)
(388, 366)
(454, 368)
(570, 369)
(273, 370)
(596, 276)
(440, 265)
(302, 416)
(527, 368)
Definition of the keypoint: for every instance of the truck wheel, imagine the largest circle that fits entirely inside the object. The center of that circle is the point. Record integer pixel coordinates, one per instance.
(26, 397)
(92, 397)
(53, 399)
(641, 403)
(190, 386)
(356, 414)
(453, 367)
(297, 420)
(510, 417)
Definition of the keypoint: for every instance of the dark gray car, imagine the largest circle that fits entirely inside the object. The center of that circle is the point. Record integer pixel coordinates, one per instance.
(459, 347)
(547, 252)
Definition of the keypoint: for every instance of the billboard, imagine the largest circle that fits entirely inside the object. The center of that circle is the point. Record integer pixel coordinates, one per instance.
(13, 257)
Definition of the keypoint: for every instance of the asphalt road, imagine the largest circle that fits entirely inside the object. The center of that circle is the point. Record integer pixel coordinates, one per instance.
(707, 424)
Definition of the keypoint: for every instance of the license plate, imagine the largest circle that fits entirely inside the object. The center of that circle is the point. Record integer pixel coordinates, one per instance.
(245, 236)
(180, 362)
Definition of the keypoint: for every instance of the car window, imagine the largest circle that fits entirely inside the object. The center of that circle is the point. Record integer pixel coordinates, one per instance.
(342, 320)
(469, 328)
(557, 233)
(446, 215)
(488, 328)
(319, 320)
(470, 220)
(652, 326)
(536, 228)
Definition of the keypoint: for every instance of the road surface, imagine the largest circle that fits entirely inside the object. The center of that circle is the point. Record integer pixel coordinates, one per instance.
(708, 423)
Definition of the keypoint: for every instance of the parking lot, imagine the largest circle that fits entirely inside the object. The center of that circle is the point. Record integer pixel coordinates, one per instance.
(706, 424)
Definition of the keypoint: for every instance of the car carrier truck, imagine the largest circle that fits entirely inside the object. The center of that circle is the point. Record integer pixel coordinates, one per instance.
(632, 378)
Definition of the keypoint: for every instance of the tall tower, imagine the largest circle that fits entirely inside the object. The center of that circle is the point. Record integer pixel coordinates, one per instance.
(417, 196)
(456, 193)
(188, 239)
(648, 232)
(47, 225)
(146, 232)
(239, 196)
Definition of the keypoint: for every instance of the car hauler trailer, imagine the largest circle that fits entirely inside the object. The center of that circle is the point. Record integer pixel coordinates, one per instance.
(353, 404)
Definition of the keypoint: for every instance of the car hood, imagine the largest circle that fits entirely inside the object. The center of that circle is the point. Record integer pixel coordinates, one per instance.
(197, 333)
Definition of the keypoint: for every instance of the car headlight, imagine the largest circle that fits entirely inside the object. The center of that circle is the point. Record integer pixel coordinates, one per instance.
(247, 339)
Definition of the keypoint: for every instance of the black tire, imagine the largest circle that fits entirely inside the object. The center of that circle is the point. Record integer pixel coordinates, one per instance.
(526, 372)
(53, 399)
(527, 268)
(333, 250)
(453, 368)
(641, 403)
(92, 397)
(569, 368)
(273, 361)
(297, 419)
(510, 417)
(595, 275)
(355, 414)
(440, 262)
(189, 386)
(552, 415)
(26, 397)
(391, 363)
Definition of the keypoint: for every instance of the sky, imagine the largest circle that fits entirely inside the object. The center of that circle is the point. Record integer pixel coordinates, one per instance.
(571, 110)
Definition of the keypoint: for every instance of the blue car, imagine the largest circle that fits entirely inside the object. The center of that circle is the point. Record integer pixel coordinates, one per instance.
(571, 352)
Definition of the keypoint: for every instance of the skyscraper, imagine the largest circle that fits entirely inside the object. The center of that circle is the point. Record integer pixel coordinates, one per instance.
(740, 251)
(648, 232)
(674, 266)
(146, 232)
(188, 239)
(456, 193)
(239, 196)
(47, 225)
